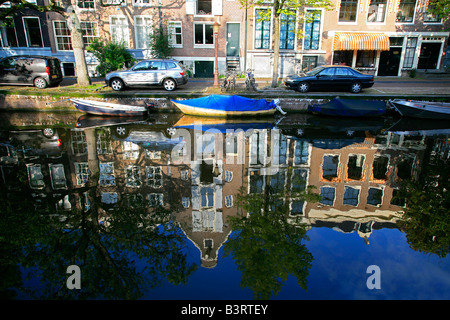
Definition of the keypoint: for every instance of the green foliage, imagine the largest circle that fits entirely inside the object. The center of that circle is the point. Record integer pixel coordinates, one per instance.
(440, 8)
(160, 44)
(111, 55)
(426, 219)
(267, 243)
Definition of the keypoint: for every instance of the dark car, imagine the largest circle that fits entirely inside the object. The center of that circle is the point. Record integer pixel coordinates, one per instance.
(40, 71)
(159, 72)
(331, 78)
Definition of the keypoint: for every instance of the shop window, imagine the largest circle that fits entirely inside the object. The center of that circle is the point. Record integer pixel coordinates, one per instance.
(366, 59)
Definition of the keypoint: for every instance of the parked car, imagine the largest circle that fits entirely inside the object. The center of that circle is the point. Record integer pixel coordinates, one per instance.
(331, 78)
(40, 71)
(158, 72)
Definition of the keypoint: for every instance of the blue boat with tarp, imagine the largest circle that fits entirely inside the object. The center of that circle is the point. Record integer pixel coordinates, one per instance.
(349, 108)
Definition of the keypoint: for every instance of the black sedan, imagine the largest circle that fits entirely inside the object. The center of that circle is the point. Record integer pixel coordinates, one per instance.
(331, 78)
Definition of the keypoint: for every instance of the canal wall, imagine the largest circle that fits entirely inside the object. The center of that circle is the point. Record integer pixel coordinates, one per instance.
(17, 102)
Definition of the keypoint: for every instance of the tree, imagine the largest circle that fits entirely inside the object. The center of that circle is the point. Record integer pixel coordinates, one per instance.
(111, 55)
(440, 8)
(160, 44)
(71, 14)
(288, 8)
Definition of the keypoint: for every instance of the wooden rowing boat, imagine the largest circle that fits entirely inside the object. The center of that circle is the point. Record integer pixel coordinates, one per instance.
(422, 109)
(109, 109)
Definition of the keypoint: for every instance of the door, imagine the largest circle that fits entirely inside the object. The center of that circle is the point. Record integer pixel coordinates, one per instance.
(389, 62)
(204, 69)
(325, 79)
(429, 55)
(233, 34)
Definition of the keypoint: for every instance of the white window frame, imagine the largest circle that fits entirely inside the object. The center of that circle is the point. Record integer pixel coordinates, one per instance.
(384, 17)
(322, 12)
(27, 36)
(56, 37)
(414, 15)
(87, 9)
(203, 45)
(141, 3)
(144, 28)
(94, 25)
(172, 34)
(254, 27)
(356, 17)
(4, 34)
(125, 34)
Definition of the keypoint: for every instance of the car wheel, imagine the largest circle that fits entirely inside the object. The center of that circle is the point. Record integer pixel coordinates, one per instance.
(48, 132)
(169, 84)
(356, 87)
(303, 87)
(120, 132)
(117, 84)
(40, 83)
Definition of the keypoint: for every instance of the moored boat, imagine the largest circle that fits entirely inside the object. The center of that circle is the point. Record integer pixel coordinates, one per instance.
(422, 109)
(349, 108)
(109, 109)
(228, 106)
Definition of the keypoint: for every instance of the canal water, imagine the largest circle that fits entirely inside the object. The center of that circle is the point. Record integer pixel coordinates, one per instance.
(172, 207)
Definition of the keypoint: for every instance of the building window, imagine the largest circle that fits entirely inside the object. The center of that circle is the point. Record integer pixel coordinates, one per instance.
(366, 59)
(287, 30)
(207, 197)
(86, 4)
(62, 36)
(410, 52)
(130, 150)
(428, 17)
(375, 196)
(133, 176)
(79, 144)
(176, 34)
(33, 31)
(8, 36)
(107, 174)
(89, 31)
(119, 30)
(262, 29)
(154, 176)
(204, 7)
(330, 167)
(142, 3)
(327, 195)
(301, 152)
(81, 172)
(377, 11)
(406, 10)
(312, 30)
(143, 30)
(155, 199)
(229, 201)
(35, 176)
(203, 34)
(348, 10)
(351, 196)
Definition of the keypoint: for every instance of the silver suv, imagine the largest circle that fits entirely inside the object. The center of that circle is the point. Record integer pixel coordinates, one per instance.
(160, 72)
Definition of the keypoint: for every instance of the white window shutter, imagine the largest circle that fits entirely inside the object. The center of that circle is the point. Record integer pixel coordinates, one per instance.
(190, 6)
(216, 7)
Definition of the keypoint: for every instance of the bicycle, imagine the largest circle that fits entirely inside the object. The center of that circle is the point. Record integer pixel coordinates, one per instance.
(229, 82)
(250, 83)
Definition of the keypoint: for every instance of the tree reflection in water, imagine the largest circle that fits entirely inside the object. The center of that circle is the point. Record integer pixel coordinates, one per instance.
(267, 243)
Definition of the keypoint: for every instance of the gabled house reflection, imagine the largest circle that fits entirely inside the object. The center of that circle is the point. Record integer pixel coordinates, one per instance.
(197, 167)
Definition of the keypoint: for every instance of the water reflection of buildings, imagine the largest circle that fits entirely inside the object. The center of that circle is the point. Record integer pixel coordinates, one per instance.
(198, 173)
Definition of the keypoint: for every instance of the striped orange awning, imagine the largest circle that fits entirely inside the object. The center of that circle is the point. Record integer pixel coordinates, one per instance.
(361, 41)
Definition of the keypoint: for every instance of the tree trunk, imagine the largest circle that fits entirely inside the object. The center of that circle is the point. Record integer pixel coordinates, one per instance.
(276, 49)
(78, 52)
(73, 23)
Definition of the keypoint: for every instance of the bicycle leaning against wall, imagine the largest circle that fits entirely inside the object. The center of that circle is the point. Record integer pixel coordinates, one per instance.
(250, 83)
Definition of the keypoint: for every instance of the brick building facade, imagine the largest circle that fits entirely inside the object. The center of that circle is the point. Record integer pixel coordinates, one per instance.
(383, 37)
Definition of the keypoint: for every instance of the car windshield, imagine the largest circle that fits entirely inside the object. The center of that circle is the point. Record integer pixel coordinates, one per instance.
(314, 71)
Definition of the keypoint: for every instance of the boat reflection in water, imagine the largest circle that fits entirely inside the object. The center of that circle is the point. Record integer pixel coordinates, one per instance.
(144, 190)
